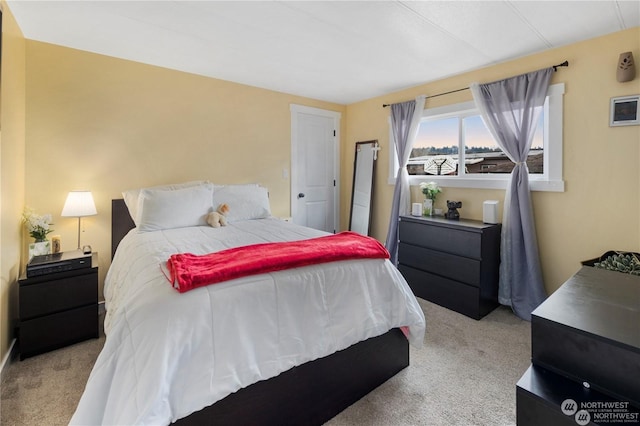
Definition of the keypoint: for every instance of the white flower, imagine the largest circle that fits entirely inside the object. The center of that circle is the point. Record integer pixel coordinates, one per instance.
(430, 189)
(37, 225)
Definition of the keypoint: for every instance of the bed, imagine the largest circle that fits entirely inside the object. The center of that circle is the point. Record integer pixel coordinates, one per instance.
(247, 351)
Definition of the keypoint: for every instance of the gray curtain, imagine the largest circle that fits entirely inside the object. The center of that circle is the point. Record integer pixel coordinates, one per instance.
(511, 109)
(405, 120)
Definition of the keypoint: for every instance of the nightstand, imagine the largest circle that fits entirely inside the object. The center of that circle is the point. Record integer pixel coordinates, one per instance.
(58, 309)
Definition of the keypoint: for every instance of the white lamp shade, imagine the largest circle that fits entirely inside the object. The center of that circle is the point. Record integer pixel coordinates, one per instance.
(79, 204)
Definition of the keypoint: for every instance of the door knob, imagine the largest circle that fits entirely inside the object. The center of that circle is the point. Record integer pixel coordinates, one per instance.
(301, 195)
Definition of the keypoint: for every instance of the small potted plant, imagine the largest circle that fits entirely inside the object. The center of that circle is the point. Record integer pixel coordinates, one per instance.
(39, 226)
(430, 190)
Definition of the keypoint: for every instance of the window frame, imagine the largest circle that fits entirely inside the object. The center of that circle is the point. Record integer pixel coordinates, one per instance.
(550, 180)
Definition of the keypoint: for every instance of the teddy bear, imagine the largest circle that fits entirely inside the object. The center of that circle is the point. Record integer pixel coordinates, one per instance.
(217, 218)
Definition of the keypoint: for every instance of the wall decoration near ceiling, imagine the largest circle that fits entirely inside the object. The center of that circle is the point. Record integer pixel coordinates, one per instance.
(626, 67)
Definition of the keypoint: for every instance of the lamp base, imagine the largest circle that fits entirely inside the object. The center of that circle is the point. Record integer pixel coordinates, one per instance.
(79, 232)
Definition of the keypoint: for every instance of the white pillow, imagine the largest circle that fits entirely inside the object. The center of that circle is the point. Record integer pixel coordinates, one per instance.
(245, 202)
(131, 196)
(162, 209)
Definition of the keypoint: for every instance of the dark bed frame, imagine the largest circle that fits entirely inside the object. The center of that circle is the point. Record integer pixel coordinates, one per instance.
(309, 394)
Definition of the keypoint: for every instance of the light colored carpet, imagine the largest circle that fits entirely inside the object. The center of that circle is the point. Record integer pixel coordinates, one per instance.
(44, 390)
(464, 375)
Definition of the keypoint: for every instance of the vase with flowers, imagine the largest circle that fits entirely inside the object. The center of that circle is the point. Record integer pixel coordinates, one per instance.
(430, 190)
(39, 226)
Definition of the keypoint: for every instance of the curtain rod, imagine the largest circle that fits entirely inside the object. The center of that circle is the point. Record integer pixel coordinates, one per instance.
(555, 68)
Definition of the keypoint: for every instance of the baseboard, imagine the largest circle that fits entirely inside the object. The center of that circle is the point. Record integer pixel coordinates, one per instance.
(10, 355)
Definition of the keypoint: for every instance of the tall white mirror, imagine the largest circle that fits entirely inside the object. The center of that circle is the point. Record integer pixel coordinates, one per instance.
(364, 167)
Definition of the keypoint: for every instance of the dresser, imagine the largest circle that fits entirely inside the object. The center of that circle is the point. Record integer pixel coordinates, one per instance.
(585, 353)
(453, 263)
(58, 309)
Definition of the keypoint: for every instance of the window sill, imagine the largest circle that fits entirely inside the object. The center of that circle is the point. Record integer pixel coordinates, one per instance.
(486, 182)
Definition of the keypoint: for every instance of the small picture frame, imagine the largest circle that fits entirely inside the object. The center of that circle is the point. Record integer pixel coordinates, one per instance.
(624, 111)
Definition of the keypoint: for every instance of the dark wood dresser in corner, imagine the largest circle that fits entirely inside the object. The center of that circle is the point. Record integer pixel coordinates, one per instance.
(454, 263)
(57, 309)
(585, 354)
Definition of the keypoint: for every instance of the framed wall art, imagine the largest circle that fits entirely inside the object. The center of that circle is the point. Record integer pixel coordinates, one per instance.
(624, 111)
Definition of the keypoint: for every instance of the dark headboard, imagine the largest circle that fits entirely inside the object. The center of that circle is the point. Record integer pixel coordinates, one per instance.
(121, 223)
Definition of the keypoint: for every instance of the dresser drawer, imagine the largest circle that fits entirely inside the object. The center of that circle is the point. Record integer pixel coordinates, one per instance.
(57, 295)
(455, 241)
(446, 265)
(444, 292)
(54, 331)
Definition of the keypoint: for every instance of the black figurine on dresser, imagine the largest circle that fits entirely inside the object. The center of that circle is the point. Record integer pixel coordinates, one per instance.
(452, 263)
(452, 212)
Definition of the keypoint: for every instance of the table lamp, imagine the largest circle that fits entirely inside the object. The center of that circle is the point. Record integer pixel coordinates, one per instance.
(79, 204)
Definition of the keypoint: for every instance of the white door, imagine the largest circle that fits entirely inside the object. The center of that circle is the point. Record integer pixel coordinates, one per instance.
(314, 170)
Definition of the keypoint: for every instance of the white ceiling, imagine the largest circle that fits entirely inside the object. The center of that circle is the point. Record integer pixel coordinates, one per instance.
(339, 51)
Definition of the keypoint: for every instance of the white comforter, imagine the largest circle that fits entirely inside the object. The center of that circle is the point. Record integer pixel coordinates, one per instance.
(169, 354)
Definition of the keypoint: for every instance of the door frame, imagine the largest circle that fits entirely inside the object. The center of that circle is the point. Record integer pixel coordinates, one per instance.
(336, 116)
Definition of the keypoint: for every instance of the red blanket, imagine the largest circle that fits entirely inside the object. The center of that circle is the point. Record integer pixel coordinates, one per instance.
(189, 271)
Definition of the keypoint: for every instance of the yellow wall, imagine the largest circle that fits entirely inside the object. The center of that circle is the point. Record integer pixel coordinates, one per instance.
(600, 208)
(12, 151)
(104, 124)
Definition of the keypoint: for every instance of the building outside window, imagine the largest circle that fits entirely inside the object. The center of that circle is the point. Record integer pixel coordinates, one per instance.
(455, 149)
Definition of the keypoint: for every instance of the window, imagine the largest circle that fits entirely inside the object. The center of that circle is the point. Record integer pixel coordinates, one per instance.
(455, 149)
